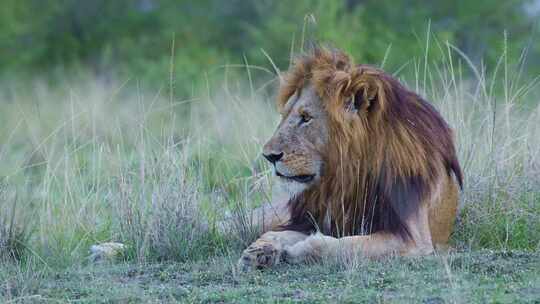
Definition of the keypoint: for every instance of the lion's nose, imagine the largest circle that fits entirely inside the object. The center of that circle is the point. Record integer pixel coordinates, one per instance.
(273, 157)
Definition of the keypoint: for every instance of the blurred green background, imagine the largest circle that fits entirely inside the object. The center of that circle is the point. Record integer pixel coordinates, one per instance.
(135, 38)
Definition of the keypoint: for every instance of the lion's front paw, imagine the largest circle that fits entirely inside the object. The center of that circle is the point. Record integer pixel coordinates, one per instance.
(261, 254)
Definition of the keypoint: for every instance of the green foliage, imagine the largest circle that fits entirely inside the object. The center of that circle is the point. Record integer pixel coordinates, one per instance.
(502, 225)
(136, 38)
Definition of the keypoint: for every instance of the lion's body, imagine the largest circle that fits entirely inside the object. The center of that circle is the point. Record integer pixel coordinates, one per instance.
(367, 162)
(443, 212)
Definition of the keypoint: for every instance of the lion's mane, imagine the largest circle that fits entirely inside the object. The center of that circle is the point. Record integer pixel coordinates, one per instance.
(381, 165)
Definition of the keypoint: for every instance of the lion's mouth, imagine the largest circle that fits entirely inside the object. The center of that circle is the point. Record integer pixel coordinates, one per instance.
(303, 178)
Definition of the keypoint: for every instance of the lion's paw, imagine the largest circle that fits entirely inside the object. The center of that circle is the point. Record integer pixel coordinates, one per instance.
(261, 254)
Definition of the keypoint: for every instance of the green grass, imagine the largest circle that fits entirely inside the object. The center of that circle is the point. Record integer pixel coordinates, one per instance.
(174, 179)
(480, 277)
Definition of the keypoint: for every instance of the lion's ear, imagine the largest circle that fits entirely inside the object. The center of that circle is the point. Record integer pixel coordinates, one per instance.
(365, 95)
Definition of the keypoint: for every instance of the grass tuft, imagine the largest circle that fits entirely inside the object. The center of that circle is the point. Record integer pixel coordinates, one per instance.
(15, 230)
(158, 209)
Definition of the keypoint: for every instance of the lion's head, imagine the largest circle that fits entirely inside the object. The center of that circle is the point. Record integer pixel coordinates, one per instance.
(299, 146)
(357, 151)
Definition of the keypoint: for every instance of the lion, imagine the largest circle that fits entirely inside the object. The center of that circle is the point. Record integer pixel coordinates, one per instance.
(370, 167)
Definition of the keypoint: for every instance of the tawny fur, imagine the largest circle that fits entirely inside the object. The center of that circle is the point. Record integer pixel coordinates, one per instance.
(396, 136)
(390, 177)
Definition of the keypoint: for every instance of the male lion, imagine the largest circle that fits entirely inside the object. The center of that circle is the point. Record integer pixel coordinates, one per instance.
(368, 164)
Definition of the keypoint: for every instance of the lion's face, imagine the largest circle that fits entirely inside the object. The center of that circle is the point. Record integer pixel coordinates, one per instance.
(297, 148)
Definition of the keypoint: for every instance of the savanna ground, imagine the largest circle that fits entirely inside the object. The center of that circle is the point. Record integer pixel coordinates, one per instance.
(479, 277)
(86, 160)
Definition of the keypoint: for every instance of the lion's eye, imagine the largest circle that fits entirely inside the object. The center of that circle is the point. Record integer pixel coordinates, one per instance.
(304, 118)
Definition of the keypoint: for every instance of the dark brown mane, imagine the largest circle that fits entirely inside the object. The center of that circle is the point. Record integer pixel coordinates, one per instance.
(380, 165)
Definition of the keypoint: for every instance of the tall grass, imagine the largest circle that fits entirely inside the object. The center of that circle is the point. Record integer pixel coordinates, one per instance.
(103, 163)
(110, 162)
(159, 210)
(496, 117)
(15, 227)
